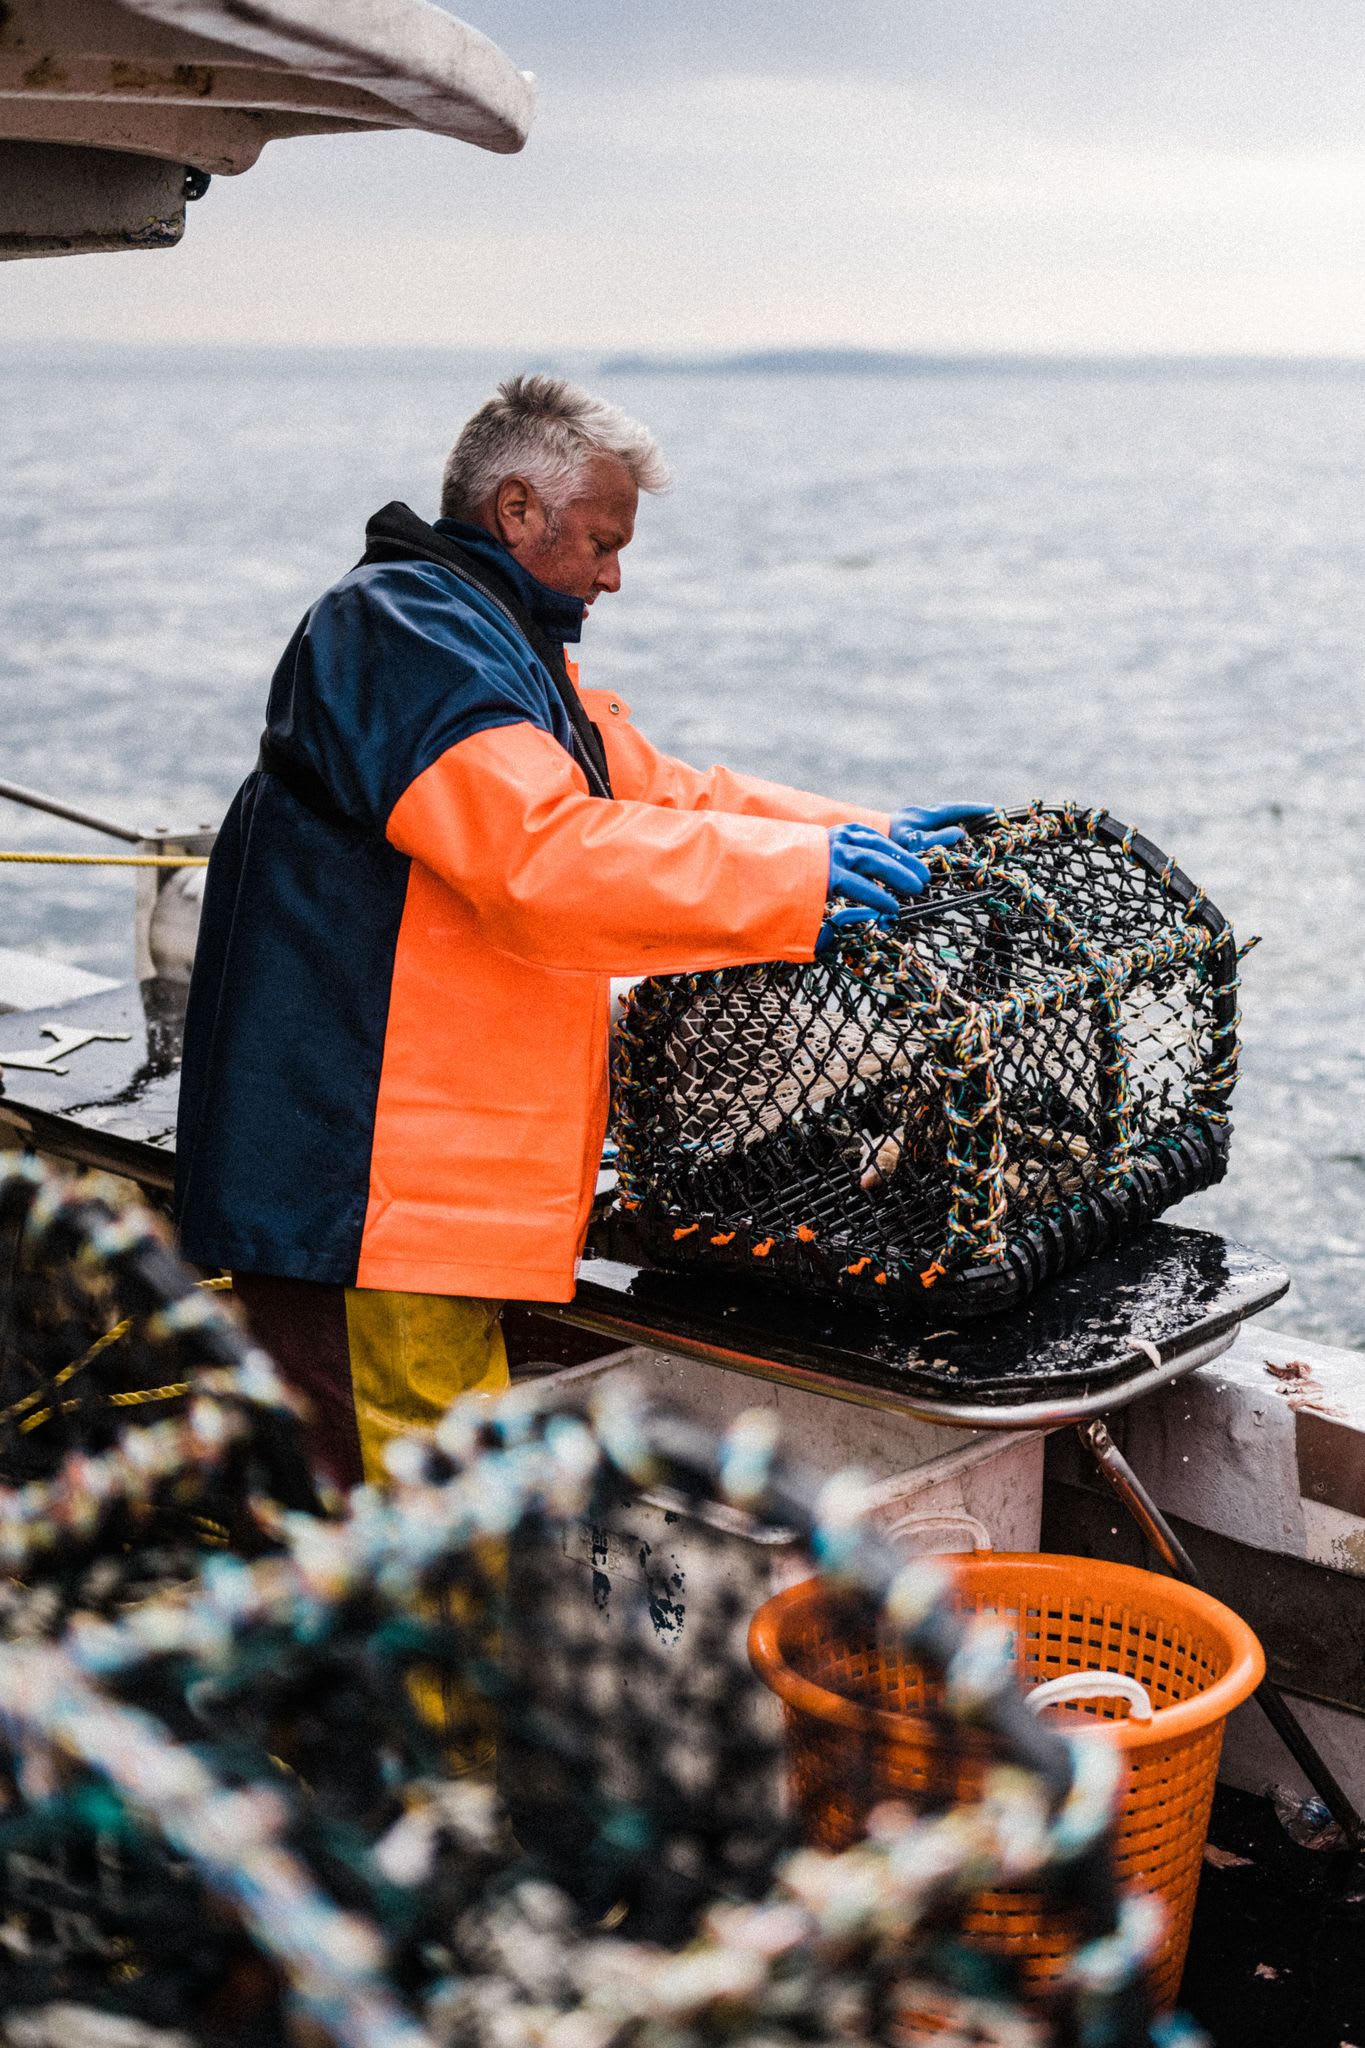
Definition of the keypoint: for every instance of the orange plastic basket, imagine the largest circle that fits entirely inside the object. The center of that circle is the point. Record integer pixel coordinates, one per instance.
(861, 1725)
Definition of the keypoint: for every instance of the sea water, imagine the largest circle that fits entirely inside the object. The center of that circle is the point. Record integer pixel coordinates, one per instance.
(1142, 588)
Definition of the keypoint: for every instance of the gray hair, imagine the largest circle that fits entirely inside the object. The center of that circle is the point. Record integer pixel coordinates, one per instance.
(546, 430)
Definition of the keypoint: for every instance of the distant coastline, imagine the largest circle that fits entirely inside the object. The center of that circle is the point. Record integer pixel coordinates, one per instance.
(57, 356)
(861, 362)
(76, 357)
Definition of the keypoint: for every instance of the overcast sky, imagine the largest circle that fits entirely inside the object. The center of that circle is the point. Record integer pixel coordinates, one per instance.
(1085, 176)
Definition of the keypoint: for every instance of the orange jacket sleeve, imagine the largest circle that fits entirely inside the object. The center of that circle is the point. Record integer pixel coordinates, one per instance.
(640, 771)
(572, 881)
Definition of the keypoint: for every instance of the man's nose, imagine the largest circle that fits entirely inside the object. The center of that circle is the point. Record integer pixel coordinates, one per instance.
(609, 573)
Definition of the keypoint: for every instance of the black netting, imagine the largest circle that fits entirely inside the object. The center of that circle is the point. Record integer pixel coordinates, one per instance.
(1036, 1055)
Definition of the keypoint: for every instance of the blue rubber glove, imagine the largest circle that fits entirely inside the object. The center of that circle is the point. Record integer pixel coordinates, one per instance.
(917, 830)
(871, 873)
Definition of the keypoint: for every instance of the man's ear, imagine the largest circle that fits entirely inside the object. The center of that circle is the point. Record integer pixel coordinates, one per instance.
(512, 504)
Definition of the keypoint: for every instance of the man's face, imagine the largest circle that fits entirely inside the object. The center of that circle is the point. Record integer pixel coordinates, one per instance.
(577, 550)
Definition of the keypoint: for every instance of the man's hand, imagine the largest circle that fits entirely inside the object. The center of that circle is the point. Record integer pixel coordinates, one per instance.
(867, 868)
(916, 830)
(871, 873)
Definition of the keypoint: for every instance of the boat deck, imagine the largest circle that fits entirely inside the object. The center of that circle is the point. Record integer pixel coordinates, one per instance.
(106, 1092)
(1277, 1957)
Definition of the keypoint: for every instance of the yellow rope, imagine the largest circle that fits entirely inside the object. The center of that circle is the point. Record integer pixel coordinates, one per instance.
(221, 1283)
(110, 860)
(132, 1397)
(68, 1371)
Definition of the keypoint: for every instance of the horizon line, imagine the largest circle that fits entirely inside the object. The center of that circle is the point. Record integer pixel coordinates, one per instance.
(625, 358)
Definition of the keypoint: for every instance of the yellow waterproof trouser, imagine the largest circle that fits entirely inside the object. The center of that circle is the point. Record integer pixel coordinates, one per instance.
(411, 1356)
(371, 1364)
(374, 1365)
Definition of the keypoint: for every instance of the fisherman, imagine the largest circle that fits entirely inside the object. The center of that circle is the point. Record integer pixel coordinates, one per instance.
(394, 1087)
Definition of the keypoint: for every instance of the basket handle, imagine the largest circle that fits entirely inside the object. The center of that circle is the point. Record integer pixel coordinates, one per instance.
(1092, 1685)
(954, 1523)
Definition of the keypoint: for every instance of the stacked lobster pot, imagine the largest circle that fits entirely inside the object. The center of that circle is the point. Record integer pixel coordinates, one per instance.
(1033, 1058)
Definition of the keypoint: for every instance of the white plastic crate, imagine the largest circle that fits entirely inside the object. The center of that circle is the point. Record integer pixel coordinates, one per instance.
(652, 1585)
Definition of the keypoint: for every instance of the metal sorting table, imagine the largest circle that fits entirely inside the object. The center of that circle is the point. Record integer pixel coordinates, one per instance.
(1156, 1306)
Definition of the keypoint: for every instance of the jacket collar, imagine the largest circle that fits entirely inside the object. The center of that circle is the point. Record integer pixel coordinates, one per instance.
(558, 616)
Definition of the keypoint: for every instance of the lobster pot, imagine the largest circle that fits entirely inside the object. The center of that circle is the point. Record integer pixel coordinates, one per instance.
(1036, 1056)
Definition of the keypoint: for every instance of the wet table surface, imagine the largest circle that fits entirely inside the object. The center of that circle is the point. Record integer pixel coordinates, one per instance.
(1151, 1309)
(104, 1080)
